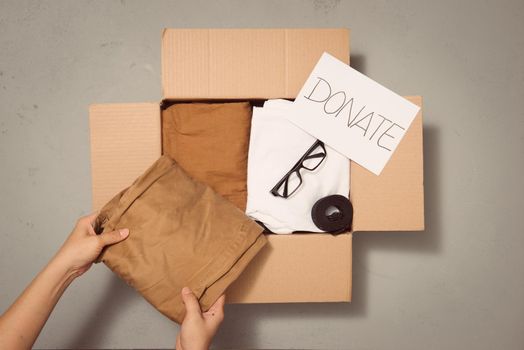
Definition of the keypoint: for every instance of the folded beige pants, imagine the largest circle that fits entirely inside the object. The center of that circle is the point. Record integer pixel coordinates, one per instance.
(182, 233)
(210, 142)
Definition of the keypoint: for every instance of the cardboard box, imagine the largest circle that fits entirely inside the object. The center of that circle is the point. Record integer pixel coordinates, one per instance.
(255, 64)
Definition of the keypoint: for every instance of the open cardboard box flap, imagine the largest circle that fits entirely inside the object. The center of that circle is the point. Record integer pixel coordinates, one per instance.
(217, 64)
(244, 63)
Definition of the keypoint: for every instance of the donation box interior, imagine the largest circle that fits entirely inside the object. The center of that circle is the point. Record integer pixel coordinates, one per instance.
(220, 65)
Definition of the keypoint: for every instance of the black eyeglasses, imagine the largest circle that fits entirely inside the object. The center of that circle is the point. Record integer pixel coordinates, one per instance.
(290, 183)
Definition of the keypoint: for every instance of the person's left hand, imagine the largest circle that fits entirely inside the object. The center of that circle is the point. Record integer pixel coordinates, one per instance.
(198, 328)
(83, 245)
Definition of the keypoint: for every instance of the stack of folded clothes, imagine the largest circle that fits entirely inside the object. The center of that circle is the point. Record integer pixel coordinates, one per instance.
(275, 146)
(210, 142)
(187, 212)
(183, 234)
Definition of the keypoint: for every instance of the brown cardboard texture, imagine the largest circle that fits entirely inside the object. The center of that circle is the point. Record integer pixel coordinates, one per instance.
(236, 64)
(244, 63)
(125, 141)
(297, 268)
(393, 201)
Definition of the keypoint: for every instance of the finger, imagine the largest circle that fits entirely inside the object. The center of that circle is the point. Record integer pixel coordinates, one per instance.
(87, 222)
(114, 236)
(91, 230)
(178, 343)
(90, 218)
(191, 302)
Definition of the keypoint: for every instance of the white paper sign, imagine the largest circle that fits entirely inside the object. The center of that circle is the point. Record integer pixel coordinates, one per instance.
(352, 113)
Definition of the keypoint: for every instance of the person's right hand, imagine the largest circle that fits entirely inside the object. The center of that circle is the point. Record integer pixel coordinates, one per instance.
(198, 328)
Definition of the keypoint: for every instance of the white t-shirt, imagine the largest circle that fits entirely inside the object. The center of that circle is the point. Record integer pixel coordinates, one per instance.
(275, 146)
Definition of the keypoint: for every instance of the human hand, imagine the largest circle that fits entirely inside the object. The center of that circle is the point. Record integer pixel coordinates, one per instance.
(198, 328)
(83, 245)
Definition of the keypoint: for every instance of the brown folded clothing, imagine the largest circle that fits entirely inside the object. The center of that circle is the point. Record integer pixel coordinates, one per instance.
(181, 234)
(210, 142)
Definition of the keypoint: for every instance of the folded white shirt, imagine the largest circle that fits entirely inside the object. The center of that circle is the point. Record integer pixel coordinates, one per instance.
(275, 146)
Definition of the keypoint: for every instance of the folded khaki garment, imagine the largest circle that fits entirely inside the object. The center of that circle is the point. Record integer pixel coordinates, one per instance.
(182, 233)
(210, 142)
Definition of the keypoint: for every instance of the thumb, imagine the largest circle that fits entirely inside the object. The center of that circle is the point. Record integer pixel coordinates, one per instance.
(191, 302)
(114, 236)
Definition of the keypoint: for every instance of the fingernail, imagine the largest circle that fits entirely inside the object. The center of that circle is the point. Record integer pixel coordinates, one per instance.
(186, 290)
(124, 232)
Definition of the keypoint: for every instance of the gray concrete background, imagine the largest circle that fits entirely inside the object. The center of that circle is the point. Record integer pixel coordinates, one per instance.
(458, 285)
